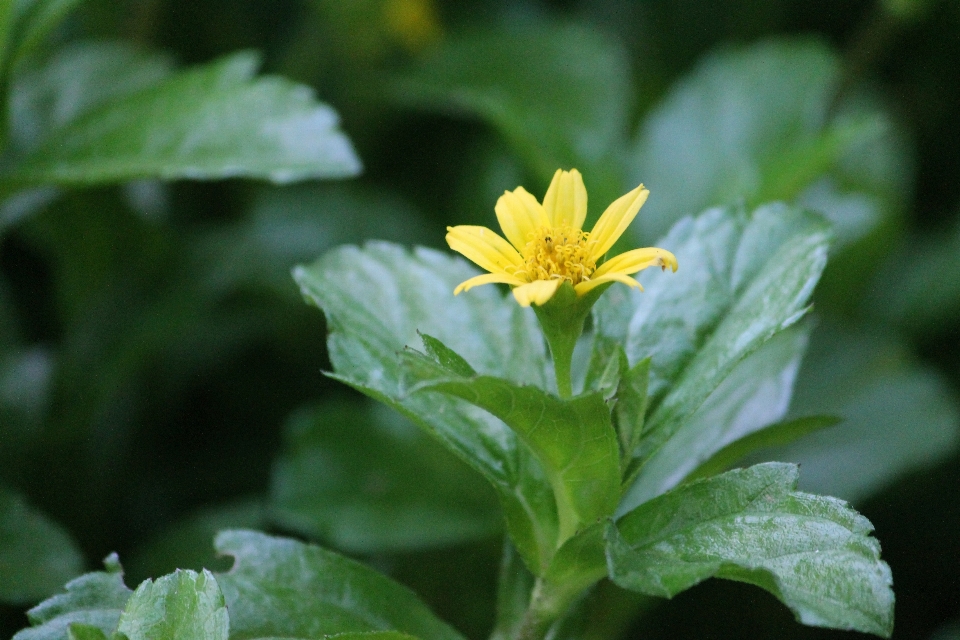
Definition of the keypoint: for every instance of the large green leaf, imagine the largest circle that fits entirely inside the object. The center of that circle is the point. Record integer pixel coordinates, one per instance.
(95, 599)
(215, 121)
(281, 587)
(183, 605)
(756, 123)
(365, 479)
(376, 299)
(742, 279)
(814, 553)
(44, 100)
(573, 438)
(80, 78)
(898, 416)
(755, 395)
(558, 93)
(36, 555)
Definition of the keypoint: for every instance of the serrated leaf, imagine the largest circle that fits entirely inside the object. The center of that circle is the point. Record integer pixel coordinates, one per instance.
(376, 299)
(559, 94)
(95, 599)
(760, 123)
(812, 552)
(36, 555)
(755, 395)
(365, 479)
(573, 438)
(183, 605)
(281, 587)
(215, 121)
(751, 275)
(898, 416)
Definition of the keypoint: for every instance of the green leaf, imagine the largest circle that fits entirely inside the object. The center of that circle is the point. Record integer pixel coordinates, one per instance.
(773, 435)
(365, 479)
(559, 94)
(94, 599)
(36, 19)
(183, 605)
(514, 586)
(281, 587)
(751, 277)
(78, 631)
(36, 555)
(812, 552)
(79, 79)
(755, 395)
(573, 438)
(631, 408)
(760, 123)
(215, 121)
(358, 635)
(376, 299)
(898, 416)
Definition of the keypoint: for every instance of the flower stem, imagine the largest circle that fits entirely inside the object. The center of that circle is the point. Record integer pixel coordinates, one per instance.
(562, 319)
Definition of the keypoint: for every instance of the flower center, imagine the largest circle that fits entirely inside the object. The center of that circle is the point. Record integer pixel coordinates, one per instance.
(559, 252)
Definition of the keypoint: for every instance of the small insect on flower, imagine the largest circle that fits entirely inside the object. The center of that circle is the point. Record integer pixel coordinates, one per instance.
(547, 245)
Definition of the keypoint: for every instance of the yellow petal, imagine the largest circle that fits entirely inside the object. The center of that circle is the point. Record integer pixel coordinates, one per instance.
(487, 278)
(616, 219)
(566, 199)
(484, 247)
(637, 260)
(586, 285)
(537, 292)
(520, 215)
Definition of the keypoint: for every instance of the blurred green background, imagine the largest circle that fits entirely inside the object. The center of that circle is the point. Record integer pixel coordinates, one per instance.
(160, 377)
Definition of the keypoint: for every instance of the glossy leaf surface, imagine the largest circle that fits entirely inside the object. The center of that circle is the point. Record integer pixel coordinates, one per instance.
(216, 121)
(376, 300)
(814, 553)
(183, 605)
(281, 587)
(573, 438)
(95, 599)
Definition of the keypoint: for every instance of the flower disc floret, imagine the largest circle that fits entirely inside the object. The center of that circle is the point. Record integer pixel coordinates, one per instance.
(546, 245)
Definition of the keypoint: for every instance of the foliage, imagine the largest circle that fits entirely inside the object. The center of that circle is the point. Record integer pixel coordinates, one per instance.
(163, 385)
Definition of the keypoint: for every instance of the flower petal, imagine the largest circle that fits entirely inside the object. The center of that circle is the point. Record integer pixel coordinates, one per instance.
(566, 199)
(587, 285)
(520, 215)
(537, 292)
(487, 278)
(637, 260)
(616, 219)
(484, 247)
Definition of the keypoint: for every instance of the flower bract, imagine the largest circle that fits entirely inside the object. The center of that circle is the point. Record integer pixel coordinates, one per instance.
(546, 245)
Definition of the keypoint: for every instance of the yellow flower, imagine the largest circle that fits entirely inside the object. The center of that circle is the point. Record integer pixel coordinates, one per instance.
(547, 245)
